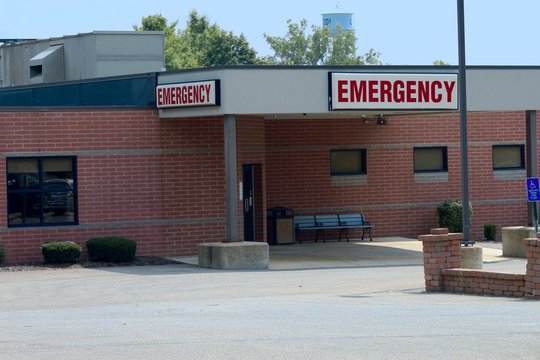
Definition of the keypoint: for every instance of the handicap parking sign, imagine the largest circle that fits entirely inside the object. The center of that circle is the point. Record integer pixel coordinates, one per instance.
(533, 189)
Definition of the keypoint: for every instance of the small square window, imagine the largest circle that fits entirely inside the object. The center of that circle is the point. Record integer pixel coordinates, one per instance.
(430, 159)
(508, 157)
(348, 162)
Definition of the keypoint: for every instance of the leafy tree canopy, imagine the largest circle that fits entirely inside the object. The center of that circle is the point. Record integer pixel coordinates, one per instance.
(440, 63)
(319, 47)
(200, 44)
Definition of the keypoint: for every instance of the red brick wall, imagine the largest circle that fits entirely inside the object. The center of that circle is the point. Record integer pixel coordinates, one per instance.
(157, 181)
(478, 282)
(161, 181)
(443, 272)
(298, 170)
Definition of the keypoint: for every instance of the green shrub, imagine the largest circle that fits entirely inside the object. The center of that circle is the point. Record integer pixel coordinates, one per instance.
(490, 231)
(113, 249)
(2, 253)
(60, 252)
(450, 215)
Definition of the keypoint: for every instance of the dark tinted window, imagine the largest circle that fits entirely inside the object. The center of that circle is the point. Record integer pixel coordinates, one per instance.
(348, 162)
(508, 157)
(41, 191)
(430, 159)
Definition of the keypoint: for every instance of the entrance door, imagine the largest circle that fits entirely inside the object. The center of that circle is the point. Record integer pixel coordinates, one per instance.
(249, 202)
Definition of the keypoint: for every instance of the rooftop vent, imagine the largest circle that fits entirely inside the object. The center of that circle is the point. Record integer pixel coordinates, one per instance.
(48, 65)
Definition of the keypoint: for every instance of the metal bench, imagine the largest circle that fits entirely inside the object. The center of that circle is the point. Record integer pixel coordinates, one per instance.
(307, 222)
(348, 221)
(320, 223)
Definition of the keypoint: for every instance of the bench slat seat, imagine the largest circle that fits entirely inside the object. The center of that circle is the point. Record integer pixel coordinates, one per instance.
(356, 221)
(320, 223)
(307, 222)
(328, 222)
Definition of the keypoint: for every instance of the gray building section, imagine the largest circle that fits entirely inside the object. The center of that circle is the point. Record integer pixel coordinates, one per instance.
(83, 56)
(302, 92)
(503, 88)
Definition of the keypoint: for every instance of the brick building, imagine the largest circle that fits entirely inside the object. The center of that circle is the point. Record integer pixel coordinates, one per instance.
(116, 157)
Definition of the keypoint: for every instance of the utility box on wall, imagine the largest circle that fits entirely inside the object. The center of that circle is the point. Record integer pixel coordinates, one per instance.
(47, 66)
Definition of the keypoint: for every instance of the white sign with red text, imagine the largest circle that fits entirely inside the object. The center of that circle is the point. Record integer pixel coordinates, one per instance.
(200, 93)
(370, 91)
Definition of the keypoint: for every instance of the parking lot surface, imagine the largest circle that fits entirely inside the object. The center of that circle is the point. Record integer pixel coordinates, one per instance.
(365, 311)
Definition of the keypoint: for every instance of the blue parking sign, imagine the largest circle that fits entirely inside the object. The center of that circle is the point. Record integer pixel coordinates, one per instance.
(533, 189)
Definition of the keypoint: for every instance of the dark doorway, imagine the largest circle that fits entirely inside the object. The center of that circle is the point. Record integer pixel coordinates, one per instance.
(248, 196)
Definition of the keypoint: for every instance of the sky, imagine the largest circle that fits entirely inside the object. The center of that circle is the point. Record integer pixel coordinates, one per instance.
(412, 32)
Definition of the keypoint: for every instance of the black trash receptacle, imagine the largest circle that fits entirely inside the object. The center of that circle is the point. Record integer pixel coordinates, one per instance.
(280, 225)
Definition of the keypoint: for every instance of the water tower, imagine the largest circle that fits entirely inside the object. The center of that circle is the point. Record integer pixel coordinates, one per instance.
(338, 21)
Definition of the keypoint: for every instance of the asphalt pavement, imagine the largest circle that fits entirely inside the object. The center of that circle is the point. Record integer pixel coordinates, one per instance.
(376, 309)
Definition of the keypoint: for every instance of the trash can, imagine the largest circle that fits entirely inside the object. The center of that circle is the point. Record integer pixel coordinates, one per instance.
(280, 225)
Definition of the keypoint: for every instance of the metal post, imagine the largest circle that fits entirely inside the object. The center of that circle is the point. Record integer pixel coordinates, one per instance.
(231, 192)
(463, 126)
(535, 207)
(531, 157)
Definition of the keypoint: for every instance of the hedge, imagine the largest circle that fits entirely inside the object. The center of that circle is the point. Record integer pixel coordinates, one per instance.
(59, 252)
(450, 215)
(113, 249)
(489, 231)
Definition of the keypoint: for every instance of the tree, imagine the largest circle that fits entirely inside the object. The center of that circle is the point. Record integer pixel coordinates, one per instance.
(201, 44)
(155, 22)
(371, 58)
(440, 63)
(318, 48)
(209, 45)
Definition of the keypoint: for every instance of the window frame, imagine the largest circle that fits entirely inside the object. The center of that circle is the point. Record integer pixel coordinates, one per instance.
(506, 168)
(42, 190)
(444, 154)
(363, 163)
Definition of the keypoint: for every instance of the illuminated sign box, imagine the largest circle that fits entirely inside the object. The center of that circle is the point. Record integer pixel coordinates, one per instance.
(380, 91)
(189, 94)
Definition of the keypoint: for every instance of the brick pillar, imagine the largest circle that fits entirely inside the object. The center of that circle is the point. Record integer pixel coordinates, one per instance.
(441, 251)
(532, 276)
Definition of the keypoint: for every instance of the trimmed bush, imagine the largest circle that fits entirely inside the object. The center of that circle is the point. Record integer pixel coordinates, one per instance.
(450, 215)
(2, 253)
(61, 252)
(113, 249)
(490, 231)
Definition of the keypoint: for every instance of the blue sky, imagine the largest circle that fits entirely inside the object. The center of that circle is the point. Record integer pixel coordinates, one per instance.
(411, 32)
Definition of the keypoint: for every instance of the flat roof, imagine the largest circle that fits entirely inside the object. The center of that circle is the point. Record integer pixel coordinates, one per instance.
(22, 42)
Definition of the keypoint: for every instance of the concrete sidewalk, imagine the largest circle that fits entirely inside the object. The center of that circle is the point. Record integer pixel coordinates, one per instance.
(388, 251)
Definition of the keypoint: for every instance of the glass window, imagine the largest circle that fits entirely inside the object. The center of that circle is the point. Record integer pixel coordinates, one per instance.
(41, 191)
(508, 157)
(348, 162)
(430, 159)
(22, 174)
